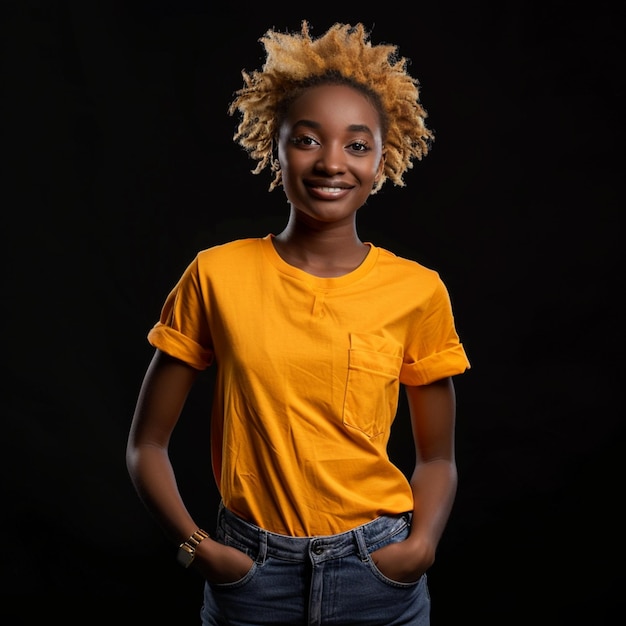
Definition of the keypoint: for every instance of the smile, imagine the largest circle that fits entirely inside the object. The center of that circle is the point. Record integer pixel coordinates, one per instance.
(325, 192)
(329, 189)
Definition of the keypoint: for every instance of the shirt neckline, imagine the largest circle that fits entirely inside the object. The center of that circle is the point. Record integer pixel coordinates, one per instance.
(320, 282)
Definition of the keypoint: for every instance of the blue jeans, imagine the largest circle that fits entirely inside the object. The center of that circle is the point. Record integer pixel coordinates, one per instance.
(314, 581)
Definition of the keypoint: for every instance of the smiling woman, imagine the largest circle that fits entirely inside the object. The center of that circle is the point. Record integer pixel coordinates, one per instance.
(313, 333)
(330, 155)
(342, 55)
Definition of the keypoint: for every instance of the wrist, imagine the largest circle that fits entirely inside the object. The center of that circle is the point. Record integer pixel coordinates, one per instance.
(187, 549)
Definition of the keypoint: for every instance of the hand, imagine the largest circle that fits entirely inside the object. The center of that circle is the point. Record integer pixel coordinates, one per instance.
(404, 562)
(221, 564)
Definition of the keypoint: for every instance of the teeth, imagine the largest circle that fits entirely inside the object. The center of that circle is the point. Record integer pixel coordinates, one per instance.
(330, 189)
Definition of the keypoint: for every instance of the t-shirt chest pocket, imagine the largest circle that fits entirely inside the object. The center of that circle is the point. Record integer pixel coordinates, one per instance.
(372, 385)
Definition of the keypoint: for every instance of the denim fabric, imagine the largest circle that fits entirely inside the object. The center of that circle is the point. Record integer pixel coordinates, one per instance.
(311, 581)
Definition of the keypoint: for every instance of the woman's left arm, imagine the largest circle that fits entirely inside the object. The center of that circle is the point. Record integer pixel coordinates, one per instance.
(434, 481)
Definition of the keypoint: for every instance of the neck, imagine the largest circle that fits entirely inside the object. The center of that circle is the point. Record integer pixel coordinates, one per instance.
(323, 250)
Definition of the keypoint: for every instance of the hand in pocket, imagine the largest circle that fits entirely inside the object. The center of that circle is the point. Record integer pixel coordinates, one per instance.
(399, 563)
(221, 564)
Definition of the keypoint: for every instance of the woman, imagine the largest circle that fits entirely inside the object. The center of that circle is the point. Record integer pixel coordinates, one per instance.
(312, 332)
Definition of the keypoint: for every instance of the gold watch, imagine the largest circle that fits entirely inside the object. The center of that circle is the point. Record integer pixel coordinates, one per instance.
(187, 549)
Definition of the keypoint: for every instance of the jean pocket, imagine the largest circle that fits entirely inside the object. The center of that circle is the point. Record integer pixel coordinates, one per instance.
(225, 538)
(237, 584)
(390, 581)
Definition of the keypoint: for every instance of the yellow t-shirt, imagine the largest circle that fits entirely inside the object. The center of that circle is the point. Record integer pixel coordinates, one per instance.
(308, 377)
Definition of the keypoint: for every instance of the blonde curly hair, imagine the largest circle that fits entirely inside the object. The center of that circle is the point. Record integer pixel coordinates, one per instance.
(342, 55)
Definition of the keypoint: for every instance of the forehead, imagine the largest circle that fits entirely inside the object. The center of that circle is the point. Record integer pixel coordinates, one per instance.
(339, 104)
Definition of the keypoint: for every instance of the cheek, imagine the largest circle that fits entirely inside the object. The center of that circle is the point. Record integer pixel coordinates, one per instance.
(294, 162)
(370, 171)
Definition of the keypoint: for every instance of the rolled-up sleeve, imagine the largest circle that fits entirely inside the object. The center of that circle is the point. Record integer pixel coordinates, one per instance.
(183, 329)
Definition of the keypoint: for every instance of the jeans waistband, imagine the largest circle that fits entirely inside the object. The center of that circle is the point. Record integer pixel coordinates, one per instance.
(361, 540)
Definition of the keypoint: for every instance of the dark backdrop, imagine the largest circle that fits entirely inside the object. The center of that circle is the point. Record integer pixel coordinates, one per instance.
(119, 165)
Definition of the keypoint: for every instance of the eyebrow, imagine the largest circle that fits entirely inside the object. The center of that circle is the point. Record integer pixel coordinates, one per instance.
(354, 128)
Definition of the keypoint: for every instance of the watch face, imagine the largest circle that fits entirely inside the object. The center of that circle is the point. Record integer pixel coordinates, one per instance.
(185, 556)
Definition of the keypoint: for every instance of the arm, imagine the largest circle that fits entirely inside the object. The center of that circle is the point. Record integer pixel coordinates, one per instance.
(165, 388)
(434, 481)
(163, 394)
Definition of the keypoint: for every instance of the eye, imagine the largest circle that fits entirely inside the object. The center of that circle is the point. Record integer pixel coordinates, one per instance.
(359, 146)
(304, 140)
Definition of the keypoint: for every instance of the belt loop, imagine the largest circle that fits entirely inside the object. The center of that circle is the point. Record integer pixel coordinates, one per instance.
(360, 542)
(262, 554)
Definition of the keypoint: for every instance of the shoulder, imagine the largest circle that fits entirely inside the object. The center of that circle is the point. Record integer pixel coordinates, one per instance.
(236, 251)
(411, 278)
(391, 262)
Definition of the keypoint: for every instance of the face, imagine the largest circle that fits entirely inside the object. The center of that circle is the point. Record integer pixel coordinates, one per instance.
(330, 152)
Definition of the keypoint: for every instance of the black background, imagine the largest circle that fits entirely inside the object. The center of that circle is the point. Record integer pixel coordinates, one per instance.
(119, 165)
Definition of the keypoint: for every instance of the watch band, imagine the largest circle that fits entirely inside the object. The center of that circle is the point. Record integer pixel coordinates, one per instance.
(187, 549)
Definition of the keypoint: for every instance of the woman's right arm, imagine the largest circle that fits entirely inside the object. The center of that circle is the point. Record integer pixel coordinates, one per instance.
(163, 393)
(162, 396)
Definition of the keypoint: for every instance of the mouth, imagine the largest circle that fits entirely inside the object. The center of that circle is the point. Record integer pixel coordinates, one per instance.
(329, 189)
(324, 192)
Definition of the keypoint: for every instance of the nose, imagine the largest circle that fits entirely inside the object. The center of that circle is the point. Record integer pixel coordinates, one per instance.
(332, 159)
